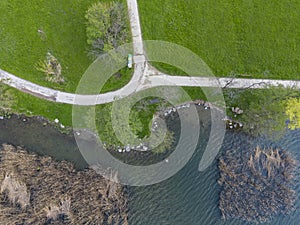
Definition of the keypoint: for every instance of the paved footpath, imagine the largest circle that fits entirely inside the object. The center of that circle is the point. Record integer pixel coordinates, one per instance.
(142, 78)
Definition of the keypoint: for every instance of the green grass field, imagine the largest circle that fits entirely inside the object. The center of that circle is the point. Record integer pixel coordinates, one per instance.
(64, 36)
(30, 29)
(254, 37)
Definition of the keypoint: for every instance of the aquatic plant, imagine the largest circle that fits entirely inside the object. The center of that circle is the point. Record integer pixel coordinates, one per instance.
(257, 184)
(39, 190)
(16, 191)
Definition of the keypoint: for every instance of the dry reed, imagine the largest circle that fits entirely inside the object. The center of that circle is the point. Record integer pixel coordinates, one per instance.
(256, 185)
(39, 190)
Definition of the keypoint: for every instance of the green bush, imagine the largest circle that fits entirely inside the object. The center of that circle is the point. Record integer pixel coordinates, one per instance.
(264, 111)
(7, 100)
(107, 26)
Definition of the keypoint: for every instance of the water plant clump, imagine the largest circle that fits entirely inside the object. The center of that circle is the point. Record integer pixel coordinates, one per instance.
(39, 190)
(257, 184)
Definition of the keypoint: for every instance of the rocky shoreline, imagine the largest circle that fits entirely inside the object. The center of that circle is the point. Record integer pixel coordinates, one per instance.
(143, 146)
(231, 124)
(155, 126)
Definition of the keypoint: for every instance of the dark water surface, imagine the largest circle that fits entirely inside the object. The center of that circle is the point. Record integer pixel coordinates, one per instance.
(44, 140)
(191, 197)
(188, 198)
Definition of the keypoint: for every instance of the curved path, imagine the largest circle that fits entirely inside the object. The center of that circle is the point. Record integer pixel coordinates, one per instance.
(143, 76)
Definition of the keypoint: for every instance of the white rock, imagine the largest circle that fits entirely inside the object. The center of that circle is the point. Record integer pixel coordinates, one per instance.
(56, 120)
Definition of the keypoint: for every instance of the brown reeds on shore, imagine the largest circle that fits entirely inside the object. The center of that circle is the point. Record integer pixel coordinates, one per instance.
(257, 184)
(39, 190)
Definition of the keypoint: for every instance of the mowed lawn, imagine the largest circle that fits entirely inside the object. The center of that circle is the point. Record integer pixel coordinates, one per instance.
(31, 28)
(250, 37)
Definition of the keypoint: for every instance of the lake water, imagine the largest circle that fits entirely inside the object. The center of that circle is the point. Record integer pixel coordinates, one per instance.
(188, 198)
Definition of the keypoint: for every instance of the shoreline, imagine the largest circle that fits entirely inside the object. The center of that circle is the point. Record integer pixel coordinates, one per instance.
(231, 124)
(41, 119)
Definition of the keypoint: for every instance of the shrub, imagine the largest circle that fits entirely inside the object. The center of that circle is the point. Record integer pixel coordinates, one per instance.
(293, 112)
(7, 100)
(52, 68)
(107, 27)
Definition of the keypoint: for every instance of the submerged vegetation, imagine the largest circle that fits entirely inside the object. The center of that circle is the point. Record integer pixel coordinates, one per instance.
(39, 190)
(256, 185)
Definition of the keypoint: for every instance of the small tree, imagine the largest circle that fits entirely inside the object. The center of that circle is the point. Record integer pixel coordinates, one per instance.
(264, 110)
(293, 112)
(107, 26)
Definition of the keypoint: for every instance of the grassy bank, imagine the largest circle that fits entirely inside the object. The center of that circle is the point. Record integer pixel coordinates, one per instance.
(23, 103)
(255, 38)
(33, 106)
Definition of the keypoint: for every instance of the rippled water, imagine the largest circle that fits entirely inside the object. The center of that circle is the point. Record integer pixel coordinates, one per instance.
(32, 135)
(191, 197)
(188, 198)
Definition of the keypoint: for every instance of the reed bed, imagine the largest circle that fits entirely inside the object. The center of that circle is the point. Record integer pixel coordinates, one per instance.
(39, 190)
(257, 184)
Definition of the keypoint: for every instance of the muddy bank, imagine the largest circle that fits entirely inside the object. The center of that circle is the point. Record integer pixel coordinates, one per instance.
(39, 190)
